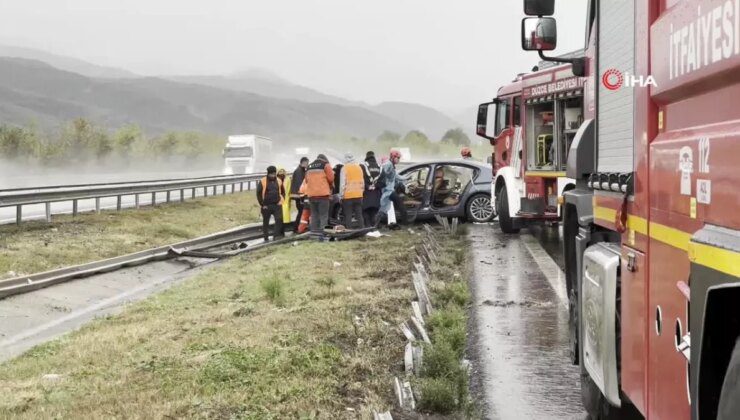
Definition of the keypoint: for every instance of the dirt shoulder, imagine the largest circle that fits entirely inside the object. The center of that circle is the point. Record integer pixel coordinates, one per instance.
(281, 333)
(38, 246)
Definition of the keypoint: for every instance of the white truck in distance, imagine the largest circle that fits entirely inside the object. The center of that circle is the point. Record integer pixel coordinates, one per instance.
(246, 154)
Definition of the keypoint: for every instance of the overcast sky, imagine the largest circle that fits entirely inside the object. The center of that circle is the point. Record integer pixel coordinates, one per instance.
(449, 54)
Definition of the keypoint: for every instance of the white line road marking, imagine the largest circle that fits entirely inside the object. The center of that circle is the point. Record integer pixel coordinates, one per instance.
(548, 266)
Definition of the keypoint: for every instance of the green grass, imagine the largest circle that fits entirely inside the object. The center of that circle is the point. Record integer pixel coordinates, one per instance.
(216, 347)
(38, 246)
(443, 382)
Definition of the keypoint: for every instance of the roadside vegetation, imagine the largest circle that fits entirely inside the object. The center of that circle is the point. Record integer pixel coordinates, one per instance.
(37, 246)
(304, 331)
(82, 141)
(443, 381)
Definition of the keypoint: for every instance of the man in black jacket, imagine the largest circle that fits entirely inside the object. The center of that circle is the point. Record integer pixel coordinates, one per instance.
(374, 183)
(270, 195)
(295, 186)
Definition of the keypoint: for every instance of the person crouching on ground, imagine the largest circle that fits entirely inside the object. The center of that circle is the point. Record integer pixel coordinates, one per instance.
(351, 189)
(374, 183)
(270, 195)
(295, 186)
(392, 183)
(319, 182)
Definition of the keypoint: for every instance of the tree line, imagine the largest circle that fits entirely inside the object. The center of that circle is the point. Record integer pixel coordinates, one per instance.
(81, 140)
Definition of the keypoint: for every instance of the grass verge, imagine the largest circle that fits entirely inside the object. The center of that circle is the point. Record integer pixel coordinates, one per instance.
(280, 333)
(37, 246)
(443, 382)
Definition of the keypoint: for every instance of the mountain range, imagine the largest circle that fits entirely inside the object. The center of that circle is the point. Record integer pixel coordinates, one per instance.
(49, 89)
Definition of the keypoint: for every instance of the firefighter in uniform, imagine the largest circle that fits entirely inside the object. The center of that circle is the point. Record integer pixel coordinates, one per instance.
(270, 195)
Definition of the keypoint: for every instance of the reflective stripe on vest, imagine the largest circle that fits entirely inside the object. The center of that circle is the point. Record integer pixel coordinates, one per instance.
(280, 187)
(355, 182)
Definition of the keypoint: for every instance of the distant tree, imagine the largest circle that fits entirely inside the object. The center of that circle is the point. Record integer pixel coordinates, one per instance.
(164, 146)
(457, 137)
(416, 138)
(82, 139)
(389, 137)
(125, 140)
(17, 142)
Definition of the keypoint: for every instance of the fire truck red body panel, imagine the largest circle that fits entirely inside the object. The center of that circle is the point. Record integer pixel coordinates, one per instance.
(686, 148)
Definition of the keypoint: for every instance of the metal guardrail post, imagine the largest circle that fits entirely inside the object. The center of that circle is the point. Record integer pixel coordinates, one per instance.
(18, 214)
(154, 199)
(48, 212)
(241, 186)
(192, 193)
(223, 189)
(74, 208)
(182, 195)
(214, 190)
(118, 203)
(168, 196)
(97, 205)
(136, 200)
(205, 191)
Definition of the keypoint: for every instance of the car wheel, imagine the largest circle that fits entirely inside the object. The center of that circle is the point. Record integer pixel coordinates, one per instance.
(502, 208)
(479, 209)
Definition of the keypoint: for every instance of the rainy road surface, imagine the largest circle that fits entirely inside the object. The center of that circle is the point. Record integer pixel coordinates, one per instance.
(520, 329)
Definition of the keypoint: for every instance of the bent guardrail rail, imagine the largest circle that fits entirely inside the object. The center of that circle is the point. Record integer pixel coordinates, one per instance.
(24, 284)
(20, 197)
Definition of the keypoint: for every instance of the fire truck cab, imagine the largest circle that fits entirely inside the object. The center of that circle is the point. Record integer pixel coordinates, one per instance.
(529, 158)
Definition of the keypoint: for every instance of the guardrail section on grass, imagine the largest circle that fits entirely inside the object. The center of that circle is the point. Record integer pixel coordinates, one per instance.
(46, 195)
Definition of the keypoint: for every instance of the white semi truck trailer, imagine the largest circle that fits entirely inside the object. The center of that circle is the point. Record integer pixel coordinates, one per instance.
(246, 154)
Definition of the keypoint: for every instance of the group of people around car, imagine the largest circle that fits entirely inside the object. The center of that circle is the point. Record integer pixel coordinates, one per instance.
(367, 193)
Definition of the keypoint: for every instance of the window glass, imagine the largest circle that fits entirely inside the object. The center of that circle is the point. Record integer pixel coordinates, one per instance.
(449, 184)
(517, 109)
(502, 115)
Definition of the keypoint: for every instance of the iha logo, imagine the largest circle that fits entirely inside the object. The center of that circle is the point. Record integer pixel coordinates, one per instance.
(614, 79)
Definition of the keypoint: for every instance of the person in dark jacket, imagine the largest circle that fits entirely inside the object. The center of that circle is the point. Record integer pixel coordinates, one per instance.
(270, 195)
(374, 183)
(295, 186)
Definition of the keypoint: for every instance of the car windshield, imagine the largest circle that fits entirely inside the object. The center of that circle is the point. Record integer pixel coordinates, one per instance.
(238, 152)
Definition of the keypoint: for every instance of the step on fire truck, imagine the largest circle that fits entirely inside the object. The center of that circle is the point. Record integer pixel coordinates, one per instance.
(652, 228)
(529, 159)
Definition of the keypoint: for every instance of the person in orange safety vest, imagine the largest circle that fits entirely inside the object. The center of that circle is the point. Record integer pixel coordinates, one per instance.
(270, 195)
(351, 189)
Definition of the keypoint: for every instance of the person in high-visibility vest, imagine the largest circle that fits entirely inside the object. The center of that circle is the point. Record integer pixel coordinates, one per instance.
(270, 195)
(351, 189)
(281, 174)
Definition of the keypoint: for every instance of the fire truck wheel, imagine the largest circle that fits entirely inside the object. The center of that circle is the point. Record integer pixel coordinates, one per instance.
(502, 208)
(729, 404)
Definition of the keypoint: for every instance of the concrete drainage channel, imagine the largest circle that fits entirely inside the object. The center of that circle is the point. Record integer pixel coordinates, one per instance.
(31, 312)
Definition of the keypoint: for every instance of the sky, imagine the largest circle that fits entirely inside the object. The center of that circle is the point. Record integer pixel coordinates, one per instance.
(451, 55)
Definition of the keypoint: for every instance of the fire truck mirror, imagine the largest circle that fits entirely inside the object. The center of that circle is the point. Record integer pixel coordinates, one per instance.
(539, 34)
(539, 7)
(481, 125)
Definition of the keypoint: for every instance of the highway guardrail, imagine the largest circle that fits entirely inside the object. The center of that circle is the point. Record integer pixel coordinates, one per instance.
(20, 197)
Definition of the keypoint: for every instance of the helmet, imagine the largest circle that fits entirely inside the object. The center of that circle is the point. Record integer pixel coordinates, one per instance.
(395, 154)
(466, 153)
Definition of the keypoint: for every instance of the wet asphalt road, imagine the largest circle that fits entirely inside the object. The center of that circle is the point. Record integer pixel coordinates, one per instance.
(521, 327)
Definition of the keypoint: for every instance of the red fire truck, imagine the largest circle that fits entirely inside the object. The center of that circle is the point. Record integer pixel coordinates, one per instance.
(529, 159)
(652, 228)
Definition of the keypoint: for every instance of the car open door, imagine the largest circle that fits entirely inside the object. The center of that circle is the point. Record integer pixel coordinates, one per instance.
(416, 199)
